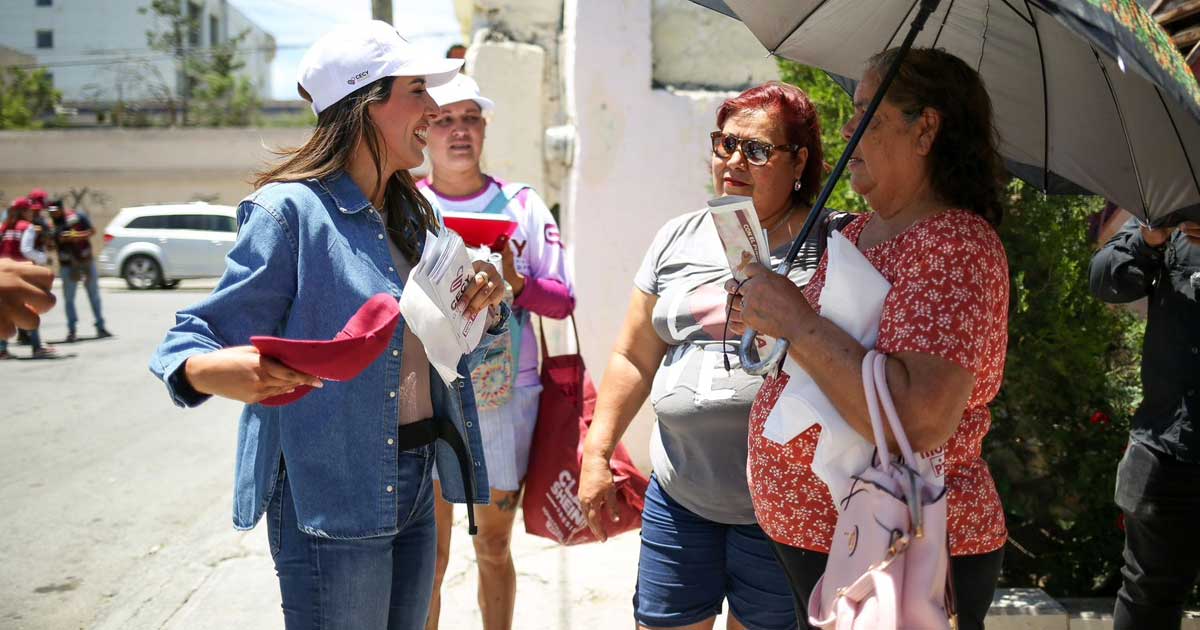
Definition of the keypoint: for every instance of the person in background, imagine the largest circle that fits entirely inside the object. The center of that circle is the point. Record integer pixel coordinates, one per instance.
(344, 474)
(1158, 476)
(19, 241)
(929, 168)
(506, 382)
(701, 543)
(456, 51)
(71, 233)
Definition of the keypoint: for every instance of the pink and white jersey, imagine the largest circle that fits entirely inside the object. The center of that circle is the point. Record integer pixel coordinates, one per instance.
(539, 255)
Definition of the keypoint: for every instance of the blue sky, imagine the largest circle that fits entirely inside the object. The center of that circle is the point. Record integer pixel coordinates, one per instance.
(298, 23)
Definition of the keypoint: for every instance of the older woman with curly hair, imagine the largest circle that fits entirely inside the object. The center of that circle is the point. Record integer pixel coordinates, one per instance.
(929, 169)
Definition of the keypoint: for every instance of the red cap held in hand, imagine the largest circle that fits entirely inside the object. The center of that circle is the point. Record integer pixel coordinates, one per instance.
(365, 336)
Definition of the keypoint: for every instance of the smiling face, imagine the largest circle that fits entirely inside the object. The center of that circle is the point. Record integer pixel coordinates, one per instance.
(771, 184)
(890, 165)
(456, 136)
(403, 122)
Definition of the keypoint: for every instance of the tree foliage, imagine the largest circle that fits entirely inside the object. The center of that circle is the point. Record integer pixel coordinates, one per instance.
(214, 93)
(834, 108)
(27, 98)
(1060, 421)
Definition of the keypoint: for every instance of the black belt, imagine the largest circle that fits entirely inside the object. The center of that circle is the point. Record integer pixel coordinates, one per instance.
(422, 432)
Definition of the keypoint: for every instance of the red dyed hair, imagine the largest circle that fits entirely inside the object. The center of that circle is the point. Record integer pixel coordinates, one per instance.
(791, 108)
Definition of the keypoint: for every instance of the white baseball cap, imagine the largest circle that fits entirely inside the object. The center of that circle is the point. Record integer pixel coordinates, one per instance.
(359, 53)
(460, 88)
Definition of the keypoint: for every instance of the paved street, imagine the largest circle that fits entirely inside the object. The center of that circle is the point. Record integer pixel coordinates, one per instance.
(116, 504)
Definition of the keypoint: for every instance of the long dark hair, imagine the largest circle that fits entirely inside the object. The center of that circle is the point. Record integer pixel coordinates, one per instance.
(965, 167)
(340, 127)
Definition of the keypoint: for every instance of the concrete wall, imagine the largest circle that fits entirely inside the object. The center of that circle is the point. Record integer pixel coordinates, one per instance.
(694, 46)
(125, 167)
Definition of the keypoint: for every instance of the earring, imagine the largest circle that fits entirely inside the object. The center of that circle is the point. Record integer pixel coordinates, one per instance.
(797, 186)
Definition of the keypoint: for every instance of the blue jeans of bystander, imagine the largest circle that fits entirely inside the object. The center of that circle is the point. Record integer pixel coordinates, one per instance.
(70, 282)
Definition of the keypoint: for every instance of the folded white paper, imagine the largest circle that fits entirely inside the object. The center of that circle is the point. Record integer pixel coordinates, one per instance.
(430, 303)
(852, 298)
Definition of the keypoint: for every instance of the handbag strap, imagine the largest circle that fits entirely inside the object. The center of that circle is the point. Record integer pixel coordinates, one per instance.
(542, 334)
(875, 388)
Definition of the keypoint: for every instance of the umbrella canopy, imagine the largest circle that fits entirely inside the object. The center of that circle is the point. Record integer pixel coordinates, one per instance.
(1089, 95)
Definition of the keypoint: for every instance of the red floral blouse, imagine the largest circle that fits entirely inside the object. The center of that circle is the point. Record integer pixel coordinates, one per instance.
(949, 298)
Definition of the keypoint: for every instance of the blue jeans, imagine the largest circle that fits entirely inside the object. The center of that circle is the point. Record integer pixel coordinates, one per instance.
(1157, 494)
(378, 583)
(93, 290)
(689, 564)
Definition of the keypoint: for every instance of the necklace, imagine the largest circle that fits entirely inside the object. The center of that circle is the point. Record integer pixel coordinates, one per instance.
(787, 214)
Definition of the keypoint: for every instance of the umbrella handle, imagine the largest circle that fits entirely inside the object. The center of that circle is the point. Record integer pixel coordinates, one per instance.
(747, 351)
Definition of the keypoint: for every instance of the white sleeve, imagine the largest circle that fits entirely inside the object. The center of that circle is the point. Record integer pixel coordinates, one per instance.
(28, 239)
(547, 253)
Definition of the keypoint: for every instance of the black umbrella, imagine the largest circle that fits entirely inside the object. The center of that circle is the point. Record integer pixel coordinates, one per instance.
(1089, 95)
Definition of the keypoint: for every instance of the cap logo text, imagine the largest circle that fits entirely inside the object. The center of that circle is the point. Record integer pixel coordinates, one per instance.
(358, 77)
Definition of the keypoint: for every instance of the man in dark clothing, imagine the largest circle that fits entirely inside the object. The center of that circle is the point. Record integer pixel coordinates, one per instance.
(1158, 479)
(72, 233)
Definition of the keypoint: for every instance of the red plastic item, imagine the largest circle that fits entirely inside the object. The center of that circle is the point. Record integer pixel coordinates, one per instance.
(551, 502)
(478, 230)
(365, 336)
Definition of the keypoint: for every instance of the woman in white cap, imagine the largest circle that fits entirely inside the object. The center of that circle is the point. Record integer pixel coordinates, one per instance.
(344, 474)
(506, 381)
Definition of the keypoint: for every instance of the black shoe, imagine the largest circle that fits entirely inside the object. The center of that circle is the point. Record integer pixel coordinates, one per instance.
(102, 333)
(71, 338)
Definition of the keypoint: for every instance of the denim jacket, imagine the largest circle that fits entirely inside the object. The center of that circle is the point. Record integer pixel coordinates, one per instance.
(308, 254)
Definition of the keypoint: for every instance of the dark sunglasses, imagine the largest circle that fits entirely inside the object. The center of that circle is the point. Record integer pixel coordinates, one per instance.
(756, 152)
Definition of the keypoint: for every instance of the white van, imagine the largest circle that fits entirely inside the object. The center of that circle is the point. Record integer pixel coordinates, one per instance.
(157, 246)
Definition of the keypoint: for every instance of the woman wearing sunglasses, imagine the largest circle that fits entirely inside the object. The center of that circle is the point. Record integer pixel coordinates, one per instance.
(700, 542)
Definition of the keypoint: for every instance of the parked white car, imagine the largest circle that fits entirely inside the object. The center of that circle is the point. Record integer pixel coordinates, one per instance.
(157, 246)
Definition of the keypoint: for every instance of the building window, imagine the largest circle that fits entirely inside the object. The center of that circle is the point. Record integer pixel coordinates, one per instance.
(214, 30)
(44, 3)
(193, 13)
(45, 39)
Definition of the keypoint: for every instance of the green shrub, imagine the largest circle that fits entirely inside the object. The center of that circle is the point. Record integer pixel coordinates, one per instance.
(1071, 383)
(27, 99)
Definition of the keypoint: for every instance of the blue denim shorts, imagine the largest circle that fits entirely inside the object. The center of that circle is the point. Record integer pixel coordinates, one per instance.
(689, 565)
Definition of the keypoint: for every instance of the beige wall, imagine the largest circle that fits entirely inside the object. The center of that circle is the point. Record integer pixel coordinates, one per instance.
(126, 167)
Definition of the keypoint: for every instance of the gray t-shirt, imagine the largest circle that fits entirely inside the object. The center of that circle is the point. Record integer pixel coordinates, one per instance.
(698, 445)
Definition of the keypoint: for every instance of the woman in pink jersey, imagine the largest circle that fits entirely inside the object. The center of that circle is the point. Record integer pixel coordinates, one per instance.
(506, 383)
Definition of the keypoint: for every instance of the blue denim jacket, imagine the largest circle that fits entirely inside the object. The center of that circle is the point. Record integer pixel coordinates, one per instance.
(308, 254)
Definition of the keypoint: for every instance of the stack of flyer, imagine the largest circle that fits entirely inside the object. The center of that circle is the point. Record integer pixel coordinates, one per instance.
(737, 226)
(432, 302)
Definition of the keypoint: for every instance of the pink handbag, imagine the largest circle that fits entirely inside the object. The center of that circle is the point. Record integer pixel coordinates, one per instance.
(888, 562)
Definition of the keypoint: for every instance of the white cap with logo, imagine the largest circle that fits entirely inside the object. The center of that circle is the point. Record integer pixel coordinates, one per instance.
(460, 88)
(356, 54)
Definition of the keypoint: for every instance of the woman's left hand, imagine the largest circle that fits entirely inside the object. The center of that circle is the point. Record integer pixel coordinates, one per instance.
(486, 289)
(769, 302)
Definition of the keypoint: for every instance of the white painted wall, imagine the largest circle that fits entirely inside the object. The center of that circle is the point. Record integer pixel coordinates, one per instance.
(100, 50)
(642, 157)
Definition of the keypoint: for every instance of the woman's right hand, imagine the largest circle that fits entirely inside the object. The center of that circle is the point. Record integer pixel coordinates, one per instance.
(597, 493)
(242, 373)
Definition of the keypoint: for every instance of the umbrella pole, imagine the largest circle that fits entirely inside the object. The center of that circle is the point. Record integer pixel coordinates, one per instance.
(747, 352)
